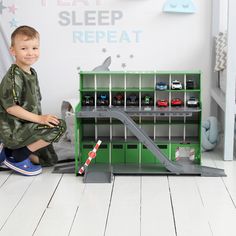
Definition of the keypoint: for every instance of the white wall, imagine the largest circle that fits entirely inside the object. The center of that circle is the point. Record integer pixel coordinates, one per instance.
(141, 37)
(223, 15)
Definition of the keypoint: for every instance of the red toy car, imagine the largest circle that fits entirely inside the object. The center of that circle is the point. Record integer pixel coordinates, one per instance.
(176, 102)
(162, 103)
(118, 100)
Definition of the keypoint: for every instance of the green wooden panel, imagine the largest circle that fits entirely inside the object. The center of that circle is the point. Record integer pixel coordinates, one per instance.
(148, 157)
(118, 153)
(131, 153)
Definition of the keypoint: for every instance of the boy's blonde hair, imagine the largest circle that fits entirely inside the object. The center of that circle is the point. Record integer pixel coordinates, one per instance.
(24, 30)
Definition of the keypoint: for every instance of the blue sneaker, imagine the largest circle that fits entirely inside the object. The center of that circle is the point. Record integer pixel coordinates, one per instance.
(24, 167)
(2, 154)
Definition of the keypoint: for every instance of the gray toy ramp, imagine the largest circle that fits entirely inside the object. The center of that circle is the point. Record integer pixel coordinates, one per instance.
(201, 170)
(176, 168)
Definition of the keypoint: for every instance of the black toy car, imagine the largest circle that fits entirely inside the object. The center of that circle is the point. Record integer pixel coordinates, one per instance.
(189, 84)
(132, 100)
(102, 100)
(118, 100)
(88, 100)
(147, 101)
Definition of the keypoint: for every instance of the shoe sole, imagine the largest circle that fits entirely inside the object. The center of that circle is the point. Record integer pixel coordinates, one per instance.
(23, 172)
(1, 148)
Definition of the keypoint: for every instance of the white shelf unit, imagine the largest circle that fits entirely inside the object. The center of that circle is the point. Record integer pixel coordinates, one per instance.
(226, 101)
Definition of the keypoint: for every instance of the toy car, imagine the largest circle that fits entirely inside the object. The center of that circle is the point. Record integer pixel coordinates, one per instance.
(162, 103)
(102, 100)
(132, 100)
(118, 100)
(189, 84)
(176, 102)
(88, 100)
(147, 100)
(161, 86)
(176, 84)
(192, 102)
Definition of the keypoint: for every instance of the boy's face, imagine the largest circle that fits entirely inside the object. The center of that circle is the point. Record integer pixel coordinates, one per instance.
(25, 50)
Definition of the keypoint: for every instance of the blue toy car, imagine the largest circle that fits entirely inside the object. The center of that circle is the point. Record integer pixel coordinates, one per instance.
(102, 100)
(161, 86)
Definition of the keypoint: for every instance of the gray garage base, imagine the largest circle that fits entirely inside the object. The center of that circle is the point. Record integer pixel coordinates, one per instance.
(103, 173)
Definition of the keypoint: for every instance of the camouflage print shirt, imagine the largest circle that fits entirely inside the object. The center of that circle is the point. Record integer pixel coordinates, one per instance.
(17, 88)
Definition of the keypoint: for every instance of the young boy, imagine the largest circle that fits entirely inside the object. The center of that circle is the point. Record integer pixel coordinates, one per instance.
(23, 128)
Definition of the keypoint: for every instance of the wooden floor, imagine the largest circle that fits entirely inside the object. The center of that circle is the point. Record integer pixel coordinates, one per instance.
(57, 204)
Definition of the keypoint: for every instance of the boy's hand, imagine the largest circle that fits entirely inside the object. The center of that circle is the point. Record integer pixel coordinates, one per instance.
(49, 120)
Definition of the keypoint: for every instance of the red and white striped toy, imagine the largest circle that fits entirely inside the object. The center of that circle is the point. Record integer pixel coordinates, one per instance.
(91, 155)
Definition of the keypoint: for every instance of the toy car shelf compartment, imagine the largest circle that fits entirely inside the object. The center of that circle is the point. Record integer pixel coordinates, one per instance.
(140, 133)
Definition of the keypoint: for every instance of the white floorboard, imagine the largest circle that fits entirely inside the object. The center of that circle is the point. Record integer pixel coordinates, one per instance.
(218, 205)
(4, 175)
(59, 215)
(189, 211)
(62, 205)
(156, 209)
(124, 215)
(69, 192)
(56, 221)
(92, 211)
(27, 214)
(11, 193)
(230, 180)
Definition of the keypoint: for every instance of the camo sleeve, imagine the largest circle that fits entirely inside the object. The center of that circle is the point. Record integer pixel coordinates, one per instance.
(10, 91)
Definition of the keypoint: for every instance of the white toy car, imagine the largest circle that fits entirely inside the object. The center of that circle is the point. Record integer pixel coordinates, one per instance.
(192, 102)
(176, 84)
